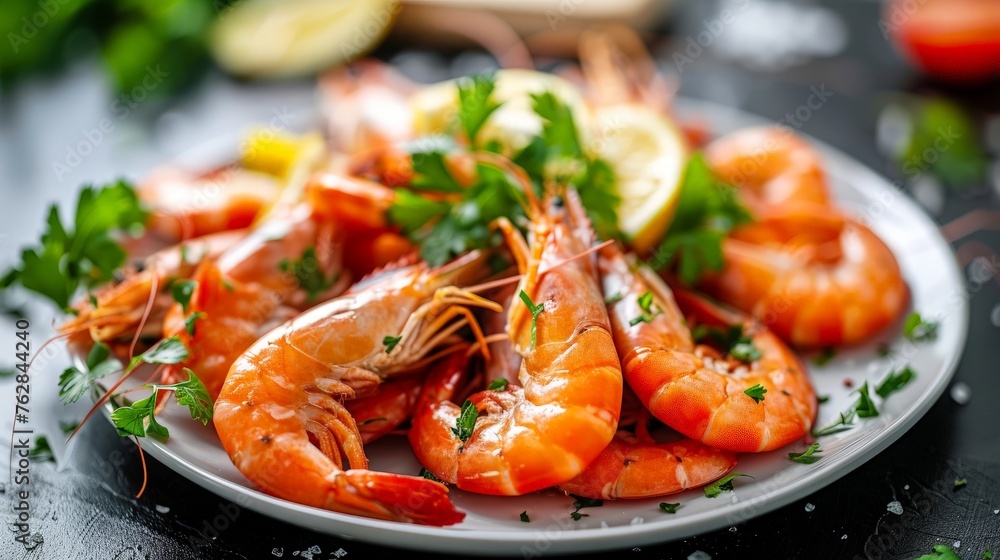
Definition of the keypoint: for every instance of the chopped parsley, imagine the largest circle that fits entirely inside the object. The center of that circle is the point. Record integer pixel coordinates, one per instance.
(649, 309)
(669, 508)
(940, 552)
(961, 482)
(732, 340)
(824, 357)
(917, 329)
(499, 384)
(823, 399)
(41, 451)
(894, 382)
(87, 254)
(613, 298)
(182, 290)
(580, 502)
(189, 321)
(308, 273)
(535, 310)
(724, 484)
(466, 422)
(756, 393)
(429, 475)
(864, 407)
(390, 342)
(707, 210)
(524, 517)
(807, 457)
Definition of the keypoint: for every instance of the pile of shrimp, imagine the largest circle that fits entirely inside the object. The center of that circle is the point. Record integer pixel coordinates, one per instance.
(319, 330)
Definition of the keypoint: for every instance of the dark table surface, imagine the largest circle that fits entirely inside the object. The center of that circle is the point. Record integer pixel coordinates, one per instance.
(89, 509)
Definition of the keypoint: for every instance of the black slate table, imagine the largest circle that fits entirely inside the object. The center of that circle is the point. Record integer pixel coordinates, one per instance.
(88, 509)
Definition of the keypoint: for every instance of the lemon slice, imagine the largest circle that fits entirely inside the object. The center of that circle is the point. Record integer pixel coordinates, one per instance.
(295, 37)
(648, 154)
(515, 123)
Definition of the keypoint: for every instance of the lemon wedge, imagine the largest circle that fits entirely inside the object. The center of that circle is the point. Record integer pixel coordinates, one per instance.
(275, 38)
(515, 123)
(648, 154)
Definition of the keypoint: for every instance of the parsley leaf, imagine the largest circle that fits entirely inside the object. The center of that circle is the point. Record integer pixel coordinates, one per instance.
(865, 407)
(614, 298)
(524, 517)
(75, 383)
(308, 273)
(85, 255)
(182, 290)
(189, 321)
(894, 382)
(824, 357)
(466, 422)
(390, 342)
(167, 351)
(808, 456)
(706, 210)
(756, 393)
(432, 173)
(475, 103)
(962, 163)
(724, 484)
(132, 420)
(194, 395)
(732, 340)
(41, 451)
(669, 508)
(960, 483)
(918, 330)
(745, 352)
(428, 475)
(649, 310)
(535, 310)
(499, 384)
(940, 552)
(580, 502)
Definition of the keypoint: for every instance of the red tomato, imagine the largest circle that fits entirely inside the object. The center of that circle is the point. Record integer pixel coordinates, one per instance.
(957, 40)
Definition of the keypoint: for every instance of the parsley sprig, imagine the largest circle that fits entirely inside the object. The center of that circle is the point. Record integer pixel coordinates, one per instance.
(85, 254)
(580, 502)
(465, 424)
(807, 457)
(917, 329)
(724, 484)
(733, 340)
(649, 309)
(139, 418)
(864, 407)
(706, 211)
(535, 310)
(308, 273)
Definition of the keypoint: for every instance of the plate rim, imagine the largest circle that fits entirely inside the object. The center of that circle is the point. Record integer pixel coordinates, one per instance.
(425, 538)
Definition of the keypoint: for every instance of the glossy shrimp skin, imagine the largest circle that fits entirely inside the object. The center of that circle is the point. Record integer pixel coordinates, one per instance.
(280, 415)
(692, 388)
(565, 411)
(809, 272)
(139, 301)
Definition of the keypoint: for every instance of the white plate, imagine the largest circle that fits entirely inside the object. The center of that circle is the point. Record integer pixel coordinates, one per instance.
(492, 525)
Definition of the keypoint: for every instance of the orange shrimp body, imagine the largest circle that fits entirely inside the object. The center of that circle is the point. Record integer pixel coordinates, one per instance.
(141, 300)
(691, 388)
(566, 410)
(770, 168)
(247, 289)
(839, 291)
(280, 415)
(184, 205)
(632, 468)
(390, 406)
(813, 275)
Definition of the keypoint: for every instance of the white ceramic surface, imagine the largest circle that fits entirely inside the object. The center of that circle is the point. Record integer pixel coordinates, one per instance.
(492, 525)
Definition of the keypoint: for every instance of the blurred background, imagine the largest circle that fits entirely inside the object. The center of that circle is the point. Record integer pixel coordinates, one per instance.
(95, 90)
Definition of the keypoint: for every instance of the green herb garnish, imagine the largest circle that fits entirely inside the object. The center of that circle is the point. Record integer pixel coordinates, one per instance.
(535, 310)
(499, 384)
(466, 422)
(824, 357)
(808, 456)
(894, 382)
(756, 393)
(308, 273)
(580, 502)
(390, 342)
(182, 290)
(669, 508)
(724, 484)
(918, 330)
(524, 517)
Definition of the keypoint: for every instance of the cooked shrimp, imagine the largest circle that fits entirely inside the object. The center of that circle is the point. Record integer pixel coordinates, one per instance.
(634, 465)
(281, 417)
(770, 168)
(391, 405)
(692, 388)
(566, 410)
(833, 282)
(135, 306)
(184, 205)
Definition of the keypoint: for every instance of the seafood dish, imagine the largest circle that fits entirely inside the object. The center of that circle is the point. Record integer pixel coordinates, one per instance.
(535, 281)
